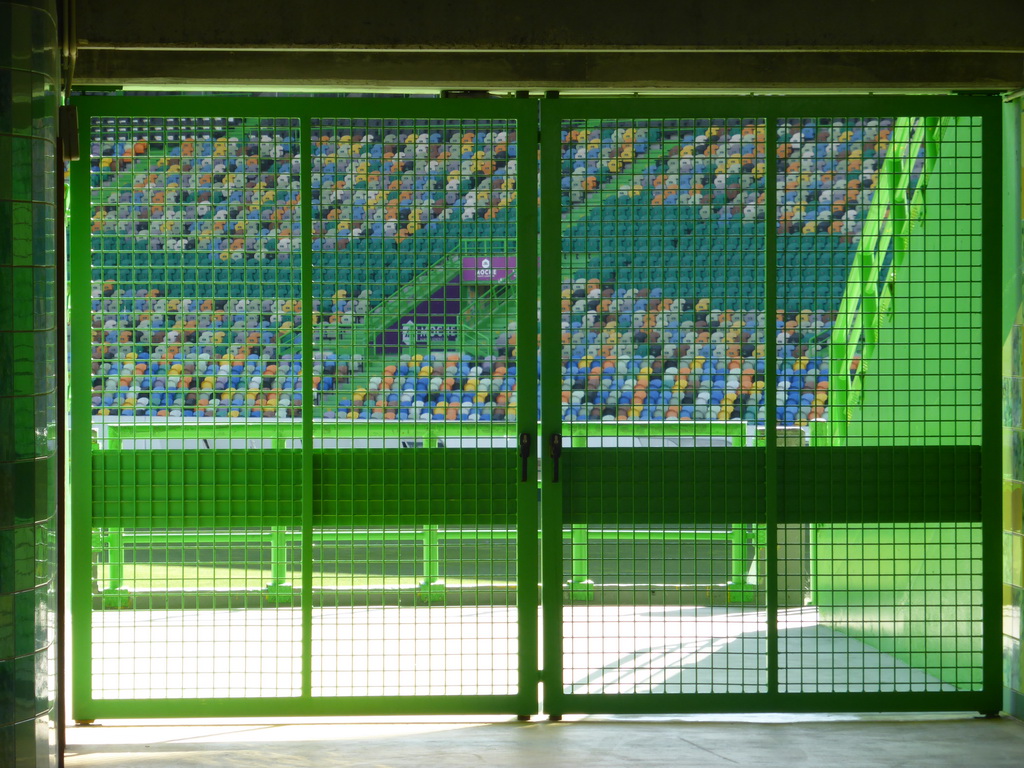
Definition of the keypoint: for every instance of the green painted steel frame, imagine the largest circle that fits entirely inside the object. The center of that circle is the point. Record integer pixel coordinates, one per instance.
(771, 108)
(549, 517)
(304, 110)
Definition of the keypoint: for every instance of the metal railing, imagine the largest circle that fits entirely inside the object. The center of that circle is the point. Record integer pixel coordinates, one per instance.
(110, 547)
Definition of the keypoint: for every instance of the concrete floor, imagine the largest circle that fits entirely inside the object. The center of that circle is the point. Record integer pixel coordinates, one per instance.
(928, 741)
(471, 650)
(609, 649)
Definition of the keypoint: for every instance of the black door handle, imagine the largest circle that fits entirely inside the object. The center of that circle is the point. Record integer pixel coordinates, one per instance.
(556, 453)
(525, 442)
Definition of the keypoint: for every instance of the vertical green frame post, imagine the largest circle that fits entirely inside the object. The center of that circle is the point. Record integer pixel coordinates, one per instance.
(528, 517)
(992, 297)
(551, 401)
(80, 427)
(771, 387)
(306, 217)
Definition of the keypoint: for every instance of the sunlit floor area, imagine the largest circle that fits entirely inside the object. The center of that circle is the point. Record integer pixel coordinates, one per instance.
(845, 741)
(472, 650)
(700, 649)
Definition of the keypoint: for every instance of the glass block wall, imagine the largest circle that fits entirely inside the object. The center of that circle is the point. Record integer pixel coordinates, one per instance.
(28, 107)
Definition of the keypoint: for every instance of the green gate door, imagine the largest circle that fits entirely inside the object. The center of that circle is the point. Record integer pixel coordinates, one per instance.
(770, 424)
(304, 470)
(297, 473)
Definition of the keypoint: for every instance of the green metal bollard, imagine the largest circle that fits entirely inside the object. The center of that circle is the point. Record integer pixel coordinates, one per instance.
(812, 565)
(431, 586)
(116, 595)
(581, 587)
(740, 588)
(279, 590)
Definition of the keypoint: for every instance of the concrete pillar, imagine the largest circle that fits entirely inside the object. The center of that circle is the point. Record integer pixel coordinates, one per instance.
(28, 111)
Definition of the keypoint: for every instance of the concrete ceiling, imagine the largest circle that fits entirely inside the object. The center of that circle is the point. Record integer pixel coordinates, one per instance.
(657, 44)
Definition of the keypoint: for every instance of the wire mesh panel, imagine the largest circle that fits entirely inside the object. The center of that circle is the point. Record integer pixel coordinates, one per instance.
(195, 284)
(769, 442)
(415, 369)
(662, 386)
(879, 351)
(305, 480)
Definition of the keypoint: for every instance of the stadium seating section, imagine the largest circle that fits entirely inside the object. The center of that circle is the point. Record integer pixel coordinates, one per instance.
(196, 266)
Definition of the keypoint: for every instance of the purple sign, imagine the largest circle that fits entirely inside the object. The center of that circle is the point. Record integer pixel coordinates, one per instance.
(433, 323)
(488, 269)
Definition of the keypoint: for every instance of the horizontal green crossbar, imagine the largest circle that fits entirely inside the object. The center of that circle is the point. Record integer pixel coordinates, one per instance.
(111, 435)
(576, 434)
(819, 485)
(910, 484)
(931, 701)
(656, 486)
(186, 489)
(647, 703)
(382, 487)
(477, 486)
(257, 488)
(312, 706)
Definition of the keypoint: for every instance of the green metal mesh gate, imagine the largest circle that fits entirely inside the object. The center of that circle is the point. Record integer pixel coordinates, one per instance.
(298, 364)
(766, 414)
(772, 411)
